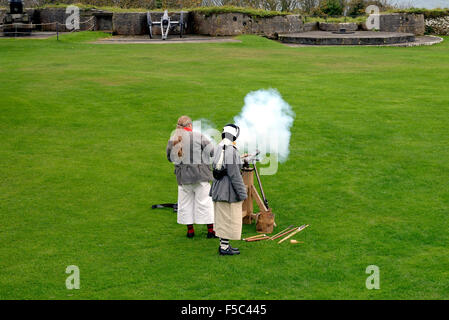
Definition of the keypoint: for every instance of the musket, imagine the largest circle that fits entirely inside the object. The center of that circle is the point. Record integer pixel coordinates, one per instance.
(265, 201)
(174, 206)
(250, 157)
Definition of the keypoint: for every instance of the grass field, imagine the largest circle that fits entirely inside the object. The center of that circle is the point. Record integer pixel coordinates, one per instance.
(82, 158)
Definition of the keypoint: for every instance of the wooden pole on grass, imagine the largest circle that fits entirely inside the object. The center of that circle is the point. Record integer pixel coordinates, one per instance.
(293, 233)
(279, 233)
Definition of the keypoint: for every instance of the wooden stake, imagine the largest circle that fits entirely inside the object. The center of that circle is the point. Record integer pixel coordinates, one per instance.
(258, 239)
(293, 233)
(284, 234)
(288, 228)
(256, 236)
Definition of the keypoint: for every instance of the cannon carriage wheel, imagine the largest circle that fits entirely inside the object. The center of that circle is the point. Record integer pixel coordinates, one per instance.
(182, 24)
(150, 25)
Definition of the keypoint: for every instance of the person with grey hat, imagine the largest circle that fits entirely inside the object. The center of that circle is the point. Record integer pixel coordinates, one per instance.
(228, 190)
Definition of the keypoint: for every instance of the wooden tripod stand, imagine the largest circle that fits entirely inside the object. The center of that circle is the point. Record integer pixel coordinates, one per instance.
(265, 218)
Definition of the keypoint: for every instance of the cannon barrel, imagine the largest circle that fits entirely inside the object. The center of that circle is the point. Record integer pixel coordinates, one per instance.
(15, 6)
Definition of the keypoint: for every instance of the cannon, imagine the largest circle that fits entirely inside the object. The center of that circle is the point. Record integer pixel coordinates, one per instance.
(17, 22)
(165, 24)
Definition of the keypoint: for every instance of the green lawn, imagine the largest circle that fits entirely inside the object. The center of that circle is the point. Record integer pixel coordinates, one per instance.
(82, 158)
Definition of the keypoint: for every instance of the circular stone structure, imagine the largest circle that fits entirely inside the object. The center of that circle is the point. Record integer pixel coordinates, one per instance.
(357, 38)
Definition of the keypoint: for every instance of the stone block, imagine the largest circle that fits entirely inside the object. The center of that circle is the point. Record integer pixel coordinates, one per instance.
(129, 23)
(403, 22)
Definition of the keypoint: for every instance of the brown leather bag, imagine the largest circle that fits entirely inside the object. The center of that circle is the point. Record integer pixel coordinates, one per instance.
(265, 222)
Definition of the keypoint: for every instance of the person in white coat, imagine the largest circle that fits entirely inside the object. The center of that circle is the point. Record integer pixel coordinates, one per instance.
(188, 150)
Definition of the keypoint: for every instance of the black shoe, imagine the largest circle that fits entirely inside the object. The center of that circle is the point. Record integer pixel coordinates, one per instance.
(228, 251)
(190, 234)
(211, 235)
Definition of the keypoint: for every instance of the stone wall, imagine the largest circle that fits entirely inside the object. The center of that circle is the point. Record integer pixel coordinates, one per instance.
(438, 25)
(121, 23)
(311, 26)
(273, 26)
(129, 23)
(403, 22)
(395, 22)
(350, 26)
(224, 24)
(49, 16)
(232, 24)
(135, 23)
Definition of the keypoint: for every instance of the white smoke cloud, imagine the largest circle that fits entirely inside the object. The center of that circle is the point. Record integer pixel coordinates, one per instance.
(207, 128)
(265, 123)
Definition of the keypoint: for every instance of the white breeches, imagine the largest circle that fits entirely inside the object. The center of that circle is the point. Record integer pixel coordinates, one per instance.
(194, 204)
